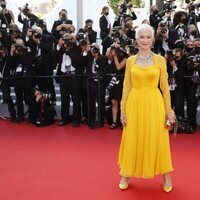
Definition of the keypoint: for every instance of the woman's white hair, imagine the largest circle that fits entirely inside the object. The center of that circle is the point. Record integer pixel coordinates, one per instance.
(142, 28)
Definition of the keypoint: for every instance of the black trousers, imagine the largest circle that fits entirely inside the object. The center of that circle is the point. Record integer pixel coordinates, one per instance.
(179, 101)
(69, 87)
(5, 88)
(22, 90)
(96, 95)
(190, 92)
(83, 96)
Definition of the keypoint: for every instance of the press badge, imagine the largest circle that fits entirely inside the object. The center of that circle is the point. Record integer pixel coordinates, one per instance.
(19, 68)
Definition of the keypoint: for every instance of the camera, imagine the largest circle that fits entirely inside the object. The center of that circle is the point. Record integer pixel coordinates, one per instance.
(25, 9)
(163, 31)
(36, 34)
(68, 41)
(20, 49)
(192, 3)
(195, 59)
(167, 7)
(114, 81)
(94, 49)
(170, 55)
(126, 5)
(46, 95)
(80, 36)
(3, 51)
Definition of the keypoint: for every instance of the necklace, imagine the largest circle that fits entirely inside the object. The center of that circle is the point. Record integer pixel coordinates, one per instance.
(145, 59)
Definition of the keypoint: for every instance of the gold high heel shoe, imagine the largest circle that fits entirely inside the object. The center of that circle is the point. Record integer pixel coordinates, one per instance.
(123, 186)
(167, 188)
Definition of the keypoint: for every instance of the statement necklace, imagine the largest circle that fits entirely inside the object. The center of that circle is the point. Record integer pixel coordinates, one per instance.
(145, 59)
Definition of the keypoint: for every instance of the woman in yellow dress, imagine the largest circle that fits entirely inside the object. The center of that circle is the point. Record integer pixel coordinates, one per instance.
(145, 106)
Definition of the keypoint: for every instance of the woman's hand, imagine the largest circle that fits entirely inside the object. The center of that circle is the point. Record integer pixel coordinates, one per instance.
(171, 117)
(123, 119)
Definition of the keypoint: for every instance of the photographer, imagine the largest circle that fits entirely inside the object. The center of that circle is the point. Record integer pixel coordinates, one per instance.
(20, 61)
(11, 36)
(90, 33)
(105, 26)
(70, 60)
(154, 17)
(193, 68)
(192, 32)
(28, 20)
(41, 109)
(62, 26)
(123, 12)
(178, 66)
(117, 57)
(6, 16)
(180, 24)
(165, 38)
(43, 59)
(128, 28)
(115, 36)
(98, 65)
(193, 17)
(5, 84)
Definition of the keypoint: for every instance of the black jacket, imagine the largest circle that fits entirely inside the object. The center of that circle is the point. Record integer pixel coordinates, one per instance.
(103, 24)
(173, 36)
(27, 22)
(56, 23)
(75, 53)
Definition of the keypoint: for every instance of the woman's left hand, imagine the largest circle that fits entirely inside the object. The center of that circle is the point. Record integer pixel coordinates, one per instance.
(171, 117)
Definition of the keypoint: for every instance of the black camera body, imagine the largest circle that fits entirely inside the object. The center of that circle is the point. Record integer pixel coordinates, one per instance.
(36, 34)
(94, 49)
(126, 5)
(170, 55)
(20, 49)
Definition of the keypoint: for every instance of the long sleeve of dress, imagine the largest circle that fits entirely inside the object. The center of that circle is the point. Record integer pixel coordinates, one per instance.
(164, 86)
(127, 85)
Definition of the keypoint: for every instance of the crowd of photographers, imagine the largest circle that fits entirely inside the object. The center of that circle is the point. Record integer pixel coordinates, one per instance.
(85, 75)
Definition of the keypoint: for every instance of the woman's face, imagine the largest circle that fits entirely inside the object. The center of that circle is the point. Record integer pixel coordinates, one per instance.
(145, 39)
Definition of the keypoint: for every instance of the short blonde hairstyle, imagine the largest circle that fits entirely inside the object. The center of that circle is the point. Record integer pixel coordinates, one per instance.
(142, 28)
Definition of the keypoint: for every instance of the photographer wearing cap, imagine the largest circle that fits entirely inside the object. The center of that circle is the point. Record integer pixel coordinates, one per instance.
(20, 61)
(62, 26)
(98, 65)
(29, 18)
(6, 84)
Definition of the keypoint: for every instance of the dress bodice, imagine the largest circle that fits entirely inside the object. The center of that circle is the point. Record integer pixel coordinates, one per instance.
(144, 77)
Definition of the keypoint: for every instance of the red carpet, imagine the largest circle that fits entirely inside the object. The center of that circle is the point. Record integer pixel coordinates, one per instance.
(65, 163)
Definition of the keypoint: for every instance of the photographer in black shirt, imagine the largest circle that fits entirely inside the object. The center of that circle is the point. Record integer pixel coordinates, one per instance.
(5, 84)
(20, 61)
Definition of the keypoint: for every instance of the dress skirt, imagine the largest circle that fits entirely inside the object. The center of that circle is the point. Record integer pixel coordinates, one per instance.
(145, 149)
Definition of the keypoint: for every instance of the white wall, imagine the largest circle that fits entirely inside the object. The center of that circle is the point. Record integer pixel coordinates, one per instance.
(91, 9)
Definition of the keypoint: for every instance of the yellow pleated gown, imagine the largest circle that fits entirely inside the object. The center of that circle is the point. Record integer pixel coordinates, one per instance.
(145, 149)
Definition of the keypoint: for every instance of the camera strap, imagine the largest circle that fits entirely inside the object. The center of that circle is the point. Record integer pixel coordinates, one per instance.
(4, 19)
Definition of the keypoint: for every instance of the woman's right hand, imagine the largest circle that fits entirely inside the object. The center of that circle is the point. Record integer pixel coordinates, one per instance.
(123, 119)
